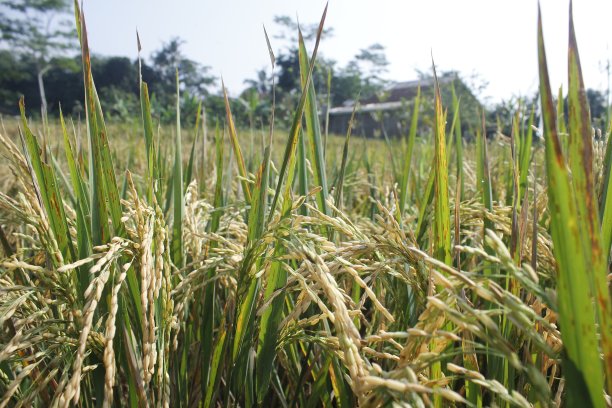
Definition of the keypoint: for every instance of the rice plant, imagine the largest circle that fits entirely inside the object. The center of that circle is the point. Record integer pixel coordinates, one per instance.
(320, 280)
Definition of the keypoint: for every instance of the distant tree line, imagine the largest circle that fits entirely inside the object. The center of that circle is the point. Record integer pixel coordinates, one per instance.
(116, 80)
(39, 60)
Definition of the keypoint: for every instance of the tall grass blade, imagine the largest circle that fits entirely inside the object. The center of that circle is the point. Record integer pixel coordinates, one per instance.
(327, 110)
(177, 188)
(442, 214)
(525, 143)
(582, 364)
(606, 201)
(48, 189)
(442, 231)
(277, 275)
(190, 164)
(340, 184)
(581, 166)
(246, 317)
(302, 170)
(81, 207)
(408, 154)
(426, 200)
(297, 118)
(458, 137)
(209, 307)
(99, 215)
(147, 122)
(313, 129)
(246, 189)
(271, 317)
(216, 367)
(483, 173)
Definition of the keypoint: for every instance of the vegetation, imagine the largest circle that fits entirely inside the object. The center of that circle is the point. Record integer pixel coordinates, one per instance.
(39, 60)
(36, 34)
(304, 270)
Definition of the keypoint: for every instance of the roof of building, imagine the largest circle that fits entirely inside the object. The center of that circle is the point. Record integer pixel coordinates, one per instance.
(395, 94)
(369, 107)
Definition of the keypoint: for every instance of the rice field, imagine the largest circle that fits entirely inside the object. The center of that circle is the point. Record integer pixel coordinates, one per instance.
(190, 267)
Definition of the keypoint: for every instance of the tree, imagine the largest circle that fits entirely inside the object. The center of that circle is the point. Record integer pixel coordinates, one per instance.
(290, 27)
(13, 81)
(362, 76)
(346, 85)
(194, 78)
(261, 84)
(39, 30)
(287, 75)
(371, 63)
(599, 107)
(287, 59)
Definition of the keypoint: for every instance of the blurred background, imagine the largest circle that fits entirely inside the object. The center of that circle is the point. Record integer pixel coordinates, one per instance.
(377, 52)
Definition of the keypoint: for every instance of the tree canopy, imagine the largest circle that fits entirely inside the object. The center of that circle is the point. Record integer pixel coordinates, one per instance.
(40, 31)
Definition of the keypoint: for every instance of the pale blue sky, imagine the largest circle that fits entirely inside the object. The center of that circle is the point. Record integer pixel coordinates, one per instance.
(496, 39)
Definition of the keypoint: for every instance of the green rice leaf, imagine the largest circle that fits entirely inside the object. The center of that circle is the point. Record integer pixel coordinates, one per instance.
(237, 151)
(313, 129)
(581, 166)
(574, 301)
(408, 155)
(442, 234)
(177, 188)
(48, 188)
(297, 119)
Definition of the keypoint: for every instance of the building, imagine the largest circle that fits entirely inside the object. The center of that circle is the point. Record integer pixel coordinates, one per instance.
(391, 113)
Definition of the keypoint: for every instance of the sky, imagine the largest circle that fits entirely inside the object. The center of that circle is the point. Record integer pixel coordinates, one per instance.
(495, 40)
